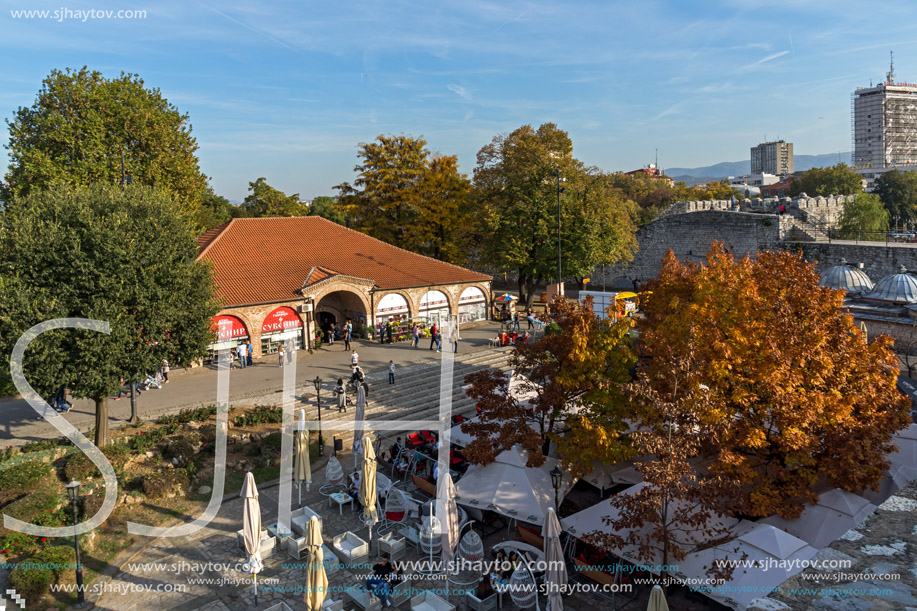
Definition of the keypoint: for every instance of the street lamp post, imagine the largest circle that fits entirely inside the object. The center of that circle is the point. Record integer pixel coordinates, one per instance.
(73, 491)
(317, 382)
(557, 478)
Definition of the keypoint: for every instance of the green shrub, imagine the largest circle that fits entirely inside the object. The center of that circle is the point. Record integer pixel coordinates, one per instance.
(272, 441)
(22, 478)
(42, 501)
(32, 580)
(208, 434)
(79, 466)
(160, 484)
(260, 415)
(144, 440)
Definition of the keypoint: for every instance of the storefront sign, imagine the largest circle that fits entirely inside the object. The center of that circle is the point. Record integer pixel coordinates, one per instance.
(281, 319)
(229, 327)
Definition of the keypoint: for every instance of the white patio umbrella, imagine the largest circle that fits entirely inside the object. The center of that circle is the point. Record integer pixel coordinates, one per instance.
(510, 488)
(555, 576)
(302, 470)
(368, 486)
(358, 416)
(819, 525)
(316, 579)
(657, 600)
(251, 529)
(445, 492)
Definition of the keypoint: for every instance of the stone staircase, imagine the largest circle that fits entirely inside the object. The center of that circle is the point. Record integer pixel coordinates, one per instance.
(414, 396)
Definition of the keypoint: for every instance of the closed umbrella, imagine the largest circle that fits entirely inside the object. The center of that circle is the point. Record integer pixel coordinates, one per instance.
(555, 576)
(358, 425)
(445, 492)
(657, 600)
(316, 579)
(302, 470)
(368, 486)
(251, 529)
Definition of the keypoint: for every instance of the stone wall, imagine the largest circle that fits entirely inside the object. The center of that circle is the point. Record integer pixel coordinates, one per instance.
(878, 260)
(690, 237)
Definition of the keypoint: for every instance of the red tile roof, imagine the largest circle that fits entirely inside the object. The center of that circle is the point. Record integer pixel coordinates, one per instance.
(266, 260)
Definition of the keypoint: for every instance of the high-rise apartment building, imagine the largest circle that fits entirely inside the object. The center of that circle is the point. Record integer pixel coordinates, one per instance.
(772, 158)
(885, 125)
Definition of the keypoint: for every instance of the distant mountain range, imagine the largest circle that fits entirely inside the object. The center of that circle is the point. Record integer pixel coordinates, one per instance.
(719, 171)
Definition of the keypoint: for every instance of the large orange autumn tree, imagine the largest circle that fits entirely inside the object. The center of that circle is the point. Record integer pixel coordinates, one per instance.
(793, 394)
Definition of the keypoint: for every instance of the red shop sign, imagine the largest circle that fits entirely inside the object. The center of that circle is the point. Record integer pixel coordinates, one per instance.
(281, 319)
(229, 327)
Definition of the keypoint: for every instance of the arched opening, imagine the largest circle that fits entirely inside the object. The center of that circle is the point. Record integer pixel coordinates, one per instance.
(472, 305)
(229, 332)
(393, 306)
(434, 307)
(281, 324)
(339, 307)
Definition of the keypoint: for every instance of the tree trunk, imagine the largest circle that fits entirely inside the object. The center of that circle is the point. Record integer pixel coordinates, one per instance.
(530, 285)
(522, 283)
(101, 421)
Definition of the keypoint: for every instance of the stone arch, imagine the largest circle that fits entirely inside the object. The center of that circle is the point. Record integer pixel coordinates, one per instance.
(245, 318)
(340, 302)
(379, 296)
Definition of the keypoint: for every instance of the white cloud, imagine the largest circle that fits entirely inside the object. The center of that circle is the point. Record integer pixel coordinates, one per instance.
(459, 91)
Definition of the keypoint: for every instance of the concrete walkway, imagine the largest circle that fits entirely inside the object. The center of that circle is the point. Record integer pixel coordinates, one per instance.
(195, 387)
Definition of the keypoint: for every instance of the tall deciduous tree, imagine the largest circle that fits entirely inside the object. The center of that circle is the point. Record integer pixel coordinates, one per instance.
(795, 391)
(518, 196)
(839, 179)
(405, 196)
(265, 200)
(898, 190)
(327, 208)
(572, 376)
(80, 125)
(214, 210)
(125, 257)
(864, 216)
(677, 509)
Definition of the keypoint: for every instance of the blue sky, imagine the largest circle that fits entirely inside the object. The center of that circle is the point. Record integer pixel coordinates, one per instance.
(287, 90)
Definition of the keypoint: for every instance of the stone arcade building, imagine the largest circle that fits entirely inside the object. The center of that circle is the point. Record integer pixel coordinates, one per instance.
(280, 277)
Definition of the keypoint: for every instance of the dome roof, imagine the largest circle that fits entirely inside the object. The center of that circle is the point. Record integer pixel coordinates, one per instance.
(843, 276)
(897, 288)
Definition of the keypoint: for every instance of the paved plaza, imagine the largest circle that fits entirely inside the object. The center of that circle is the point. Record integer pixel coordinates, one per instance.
(260, 383)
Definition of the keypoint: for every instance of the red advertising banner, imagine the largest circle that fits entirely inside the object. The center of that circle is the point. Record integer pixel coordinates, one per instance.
(281, 319)
(229, 327)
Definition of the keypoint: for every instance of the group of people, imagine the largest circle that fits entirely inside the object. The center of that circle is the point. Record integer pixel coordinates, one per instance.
(345, 332)
(243, 352)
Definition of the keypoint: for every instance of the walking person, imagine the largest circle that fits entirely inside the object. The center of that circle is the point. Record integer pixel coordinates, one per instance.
(341, 393)
(354, 359)
(165, 371)
(251, 349)
(455, 341)
(280, 355)
(331, 331)
(530, 319)
(290, 355)
(240, 352)
(439, 341)
(391, 372)
(515, 321)
(347, 337)
(60, 400)
(433, 332)
(415, 335)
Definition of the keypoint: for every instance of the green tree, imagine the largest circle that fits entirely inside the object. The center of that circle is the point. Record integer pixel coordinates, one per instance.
(327, 208)
(406, 196)
(265, 200)
(839, 179)
(80, 125)
(899, 192)
(517, 193)
(214, 210)
(862, 216)
(126, 257)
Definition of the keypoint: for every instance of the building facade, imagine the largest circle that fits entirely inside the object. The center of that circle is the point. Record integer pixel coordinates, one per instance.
(286, 278)
(772, 158)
